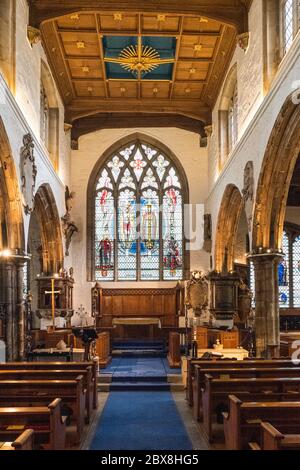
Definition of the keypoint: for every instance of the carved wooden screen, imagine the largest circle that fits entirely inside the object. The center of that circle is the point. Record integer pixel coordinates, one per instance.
(138, 229)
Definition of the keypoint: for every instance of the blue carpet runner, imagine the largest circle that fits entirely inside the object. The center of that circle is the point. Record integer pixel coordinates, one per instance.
(140, 421)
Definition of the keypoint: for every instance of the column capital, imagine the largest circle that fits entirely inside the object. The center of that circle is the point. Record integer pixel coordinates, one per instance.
(265, 254)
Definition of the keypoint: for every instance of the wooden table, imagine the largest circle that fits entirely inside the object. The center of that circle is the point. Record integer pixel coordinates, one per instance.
(238, 353)
(53, 354)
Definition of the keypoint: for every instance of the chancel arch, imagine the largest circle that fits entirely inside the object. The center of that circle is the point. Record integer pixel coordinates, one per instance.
(135, 206)
(232, 233)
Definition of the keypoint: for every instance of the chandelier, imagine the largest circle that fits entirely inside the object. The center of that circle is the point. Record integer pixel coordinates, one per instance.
(139, 59)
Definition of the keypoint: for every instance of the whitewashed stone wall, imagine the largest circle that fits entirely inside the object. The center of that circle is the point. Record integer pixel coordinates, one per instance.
(257, 114)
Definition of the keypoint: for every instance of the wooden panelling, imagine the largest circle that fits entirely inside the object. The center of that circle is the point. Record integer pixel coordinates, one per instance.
(163, 304)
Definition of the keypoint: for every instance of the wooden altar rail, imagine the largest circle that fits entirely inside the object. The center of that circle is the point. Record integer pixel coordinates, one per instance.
(103, 349)
(174, 356)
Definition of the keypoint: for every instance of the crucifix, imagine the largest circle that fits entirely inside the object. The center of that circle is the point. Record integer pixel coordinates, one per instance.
(53, 292)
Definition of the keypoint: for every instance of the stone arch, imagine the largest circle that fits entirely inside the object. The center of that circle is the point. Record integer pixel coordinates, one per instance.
(46, 216)
(227, 226)
(11, 213)
(279, 161)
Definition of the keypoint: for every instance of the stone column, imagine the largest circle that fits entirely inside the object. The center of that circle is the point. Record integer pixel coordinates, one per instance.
(271, 41)
(267, 326)
(7, 41)
(20, 310)
(7, 291)
(12, 297)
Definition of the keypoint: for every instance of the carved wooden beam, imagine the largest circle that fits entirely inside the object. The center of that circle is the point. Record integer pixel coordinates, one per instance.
(193, 109)
(231, 12)
(110, 121)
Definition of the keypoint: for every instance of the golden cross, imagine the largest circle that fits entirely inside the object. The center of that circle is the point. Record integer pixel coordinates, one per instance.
(53, 292)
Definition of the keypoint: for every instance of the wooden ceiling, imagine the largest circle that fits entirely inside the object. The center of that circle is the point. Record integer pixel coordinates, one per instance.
(73, 37)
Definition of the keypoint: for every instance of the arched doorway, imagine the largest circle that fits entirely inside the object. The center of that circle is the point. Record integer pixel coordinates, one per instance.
(12, 257)
(44, 241)
(269, 216)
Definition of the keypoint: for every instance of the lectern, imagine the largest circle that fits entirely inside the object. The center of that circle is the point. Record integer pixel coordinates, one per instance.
(87, 336)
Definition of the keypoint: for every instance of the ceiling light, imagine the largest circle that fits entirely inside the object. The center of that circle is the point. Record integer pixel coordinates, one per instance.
(155, 90)
(187, 90)
(85, 69)
(80, 44)
(161, 17)
(203, 20)
(192, 70)
(90, 88)
(122, 89)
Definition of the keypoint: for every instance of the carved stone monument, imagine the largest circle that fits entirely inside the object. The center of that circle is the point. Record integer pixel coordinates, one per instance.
(68, 225)
(28, 172)
(207, 233)
(248, 192)
(197, 293)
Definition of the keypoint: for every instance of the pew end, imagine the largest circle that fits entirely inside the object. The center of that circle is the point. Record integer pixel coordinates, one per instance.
(24, 441)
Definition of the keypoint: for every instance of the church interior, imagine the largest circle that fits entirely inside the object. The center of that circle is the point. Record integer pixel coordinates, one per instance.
(150, 225)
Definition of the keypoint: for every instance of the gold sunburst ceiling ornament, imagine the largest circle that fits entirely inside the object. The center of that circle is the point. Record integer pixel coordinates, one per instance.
(139, 59)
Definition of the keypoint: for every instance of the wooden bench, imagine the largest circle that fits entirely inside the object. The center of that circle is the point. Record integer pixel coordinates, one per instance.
(46, 421)
(23, 442)
(226, 364)
(42, 392)
(243, 422)
(216, 391)
(58, 366)
(273, 439)
(54, 374)
(234, 373)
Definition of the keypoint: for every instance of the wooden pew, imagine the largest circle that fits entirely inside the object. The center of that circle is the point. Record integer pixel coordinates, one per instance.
(54, 374)
(226, 364)
(46, 421)
(58, 366)
(23, 442)
(273, 439)
(242, 423)
(216, 391)
(234, 373)
(42, 392)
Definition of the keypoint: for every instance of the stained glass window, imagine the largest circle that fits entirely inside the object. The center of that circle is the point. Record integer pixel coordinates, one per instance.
(138, 217)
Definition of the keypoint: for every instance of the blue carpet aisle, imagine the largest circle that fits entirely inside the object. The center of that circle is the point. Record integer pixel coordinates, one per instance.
(140, 421)
(135, 417)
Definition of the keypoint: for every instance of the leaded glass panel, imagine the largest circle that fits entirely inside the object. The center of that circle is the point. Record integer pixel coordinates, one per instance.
(283, 274)
(104, 235)
(296, 272)
(172, 234)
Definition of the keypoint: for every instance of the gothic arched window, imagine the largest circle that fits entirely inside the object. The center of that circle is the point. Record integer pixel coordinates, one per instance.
(138, 217)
